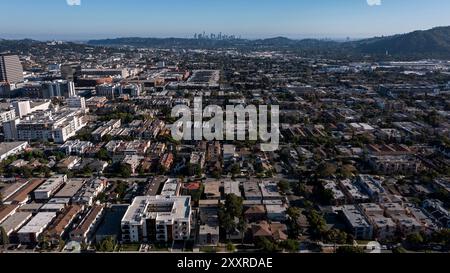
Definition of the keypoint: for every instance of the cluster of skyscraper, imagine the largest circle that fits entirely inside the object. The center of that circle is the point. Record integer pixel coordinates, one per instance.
(213, 36)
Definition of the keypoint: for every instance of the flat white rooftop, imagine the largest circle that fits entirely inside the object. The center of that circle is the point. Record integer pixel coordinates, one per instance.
(38, 223)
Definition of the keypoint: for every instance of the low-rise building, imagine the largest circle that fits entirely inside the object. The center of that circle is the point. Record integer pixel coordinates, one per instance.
(372, 186)
(273, 231)
(8, 149)
(75, 147)
(50, 187)
(353, 193)
(395, 164)
(357, 224)
(68, 163)
(276, 213)
(60, 225)
(171, 187)
(70, 188)
(435, 209)
(255, 213)
(338, 195)
(232, 187)
(91, 189)
(384, 227)
(13, 223)
(84, 232)
(29, 234)
(23, 195)
(252, 190)
(209, 233)
(212, 190)
(6, 211)
(270, 191)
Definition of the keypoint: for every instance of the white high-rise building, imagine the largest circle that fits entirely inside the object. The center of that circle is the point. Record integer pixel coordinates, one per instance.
(22, 108)
(76, 102)
(7, 116)
(47, 126)
(71, 89)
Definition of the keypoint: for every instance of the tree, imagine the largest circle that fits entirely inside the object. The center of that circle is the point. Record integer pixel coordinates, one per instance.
(103, 155)
(125, 170)
(26, 172)
(299, 189)
(317, 223)
(231, 247)
(1, 199)
(284, 186)
(44, 241)
(83, 246)
(293, 212)
(337, 236)
(348, 170)
(441, 237)
(326, 170)
(87, 171)
(121, 189)
(107, 245)
(216, 174)
(194, 169)
(415, 240)
(291, 245)
(4, 237)
(61, 244)
(230, 211)
(350, 250)
(235, 169)
(265, 245)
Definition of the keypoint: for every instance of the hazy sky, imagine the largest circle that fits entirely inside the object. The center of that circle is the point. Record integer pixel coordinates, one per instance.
(86, 19)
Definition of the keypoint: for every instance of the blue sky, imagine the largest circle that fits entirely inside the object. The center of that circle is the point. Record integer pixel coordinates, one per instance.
(56, 19)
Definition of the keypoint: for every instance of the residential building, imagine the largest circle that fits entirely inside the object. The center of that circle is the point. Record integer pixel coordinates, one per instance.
(13, 148)
(157, 218)
(356, 223)
(91, 189)
(30, 233)
(84, 232)
(13, 223)
(50, 187)
(63, 221)
(76, 102)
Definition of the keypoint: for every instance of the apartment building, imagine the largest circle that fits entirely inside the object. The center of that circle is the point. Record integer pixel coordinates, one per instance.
(30, 233)
(357, 224)
(50, 187)
(157, 219)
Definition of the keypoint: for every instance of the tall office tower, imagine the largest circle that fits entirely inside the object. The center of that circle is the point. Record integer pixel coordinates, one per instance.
(58, 88)
(11, 69)
(71, 71)
(71, 89)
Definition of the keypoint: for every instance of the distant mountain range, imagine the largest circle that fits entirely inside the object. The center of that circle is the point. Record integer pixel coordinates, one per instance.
(428, 43)
(433, 43)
